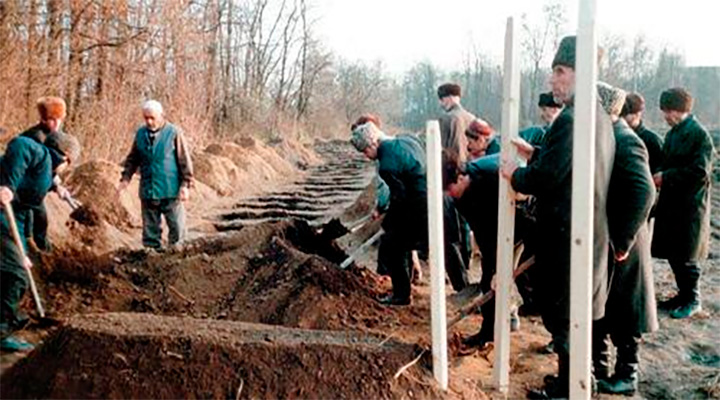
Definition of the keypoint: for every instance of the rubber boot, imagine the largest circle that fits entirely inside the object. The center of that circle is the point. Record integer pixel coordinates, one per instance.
(691, 304)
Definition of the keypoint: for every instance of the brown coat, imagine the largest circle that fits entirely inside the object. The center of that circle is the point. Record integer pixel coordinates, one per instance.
(452, 130)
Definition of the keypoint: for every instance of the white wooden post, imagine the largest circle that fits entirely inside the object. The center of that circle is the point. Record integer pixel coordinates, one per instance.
(581, 245)
(506, 211)
(437, 254)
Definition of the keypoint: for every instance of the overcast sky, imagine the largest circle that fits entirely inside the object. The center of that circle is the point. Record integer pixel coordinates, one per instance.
(403, 32)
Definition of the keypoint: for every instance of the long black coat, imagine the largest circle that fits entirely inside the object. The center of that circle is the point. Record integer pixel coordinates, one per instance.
(549, 178)
(654, 144)
(631, 304)
(682, 216)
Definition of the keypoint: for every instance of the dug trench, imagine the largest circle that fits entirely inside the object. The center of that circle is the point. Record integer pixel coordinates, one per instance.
(259, 312)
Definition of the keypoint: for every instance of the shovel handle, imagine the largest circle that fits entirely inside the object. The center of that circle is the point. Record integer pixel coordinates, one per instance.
(21, 249)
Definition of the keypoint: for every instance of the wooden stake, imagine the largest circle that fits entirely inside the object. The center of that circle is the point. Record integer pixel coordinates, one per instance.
(583, 183)
(437, 254)
(506, 211)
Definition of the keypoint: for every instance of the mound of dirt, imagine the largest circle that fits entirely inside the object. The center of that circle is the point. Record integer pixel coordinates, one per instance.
(145, 356)
(256, 275)
(297, 154)
(254, 160)
(94, 183)
(218, 172)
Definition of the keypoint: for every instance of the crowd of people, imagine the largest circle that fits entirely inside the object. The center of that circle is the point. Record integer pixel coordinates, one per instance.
(651, 199)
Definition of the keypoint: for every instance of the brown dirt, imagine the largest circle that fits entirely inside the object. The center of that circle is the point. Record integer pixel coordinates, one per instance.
(218, 172)
(145, 356)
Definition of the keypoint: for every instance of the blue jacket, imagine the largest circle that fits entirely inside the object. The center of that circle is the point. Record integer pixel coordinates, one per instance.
(164, 165)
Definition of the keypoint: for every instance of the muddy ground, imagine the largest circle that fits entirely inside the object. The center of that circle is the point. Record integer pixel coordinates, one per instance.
(255, 307)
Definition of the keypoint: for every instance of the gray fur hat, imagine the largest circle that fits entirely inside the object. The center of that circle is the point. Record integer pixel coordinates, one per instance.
(611, 98)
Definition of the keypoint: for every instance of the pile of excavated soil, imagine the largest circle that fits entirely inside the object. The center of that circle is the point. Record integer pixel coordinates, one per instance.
(94, 183)
(297, 154)
(218, 172)
(258, 274)
(145, 356)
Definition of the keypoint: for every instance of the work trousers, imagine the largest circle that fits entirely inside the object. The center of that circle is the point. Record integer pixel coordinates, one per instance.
(152, 213)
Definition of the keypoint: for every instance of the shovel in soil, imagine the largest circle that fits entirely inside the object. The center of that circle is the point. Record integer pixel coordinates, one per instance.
(79, 212)
(43, 320)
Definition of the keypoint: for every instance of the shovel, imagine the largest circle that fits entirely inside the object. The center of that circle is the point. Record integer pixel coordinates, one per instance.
(10, 215)
(79, 212)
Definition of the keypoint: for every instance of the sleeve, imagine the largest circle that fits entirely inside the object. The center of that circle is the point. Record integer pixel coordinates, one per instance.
(454, 135)
(553, 162)
(698, 169)
(131, 163)
(382, 194)
(184, 160)
(14, 164)
(655, 152)
(638, 194)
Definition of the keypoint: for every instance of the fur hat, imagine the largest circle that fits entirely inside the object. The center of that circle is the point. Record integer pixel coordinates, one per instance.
(611, 98)
(477, 128)
(364, 119)
(51, 107)
(65, 144)
(364, 135)
(676, 99)
(547, 100)
(634, 103)
(566, 51)
(449, 89)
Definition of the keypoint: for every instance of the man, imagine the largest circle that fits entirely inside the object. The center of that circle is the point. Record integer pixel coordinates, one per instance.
(166, 176)
(26, 172)
(630, 309)
(632, 113)
(454, 121)
(481, 140)
(402, 166)
(453, 125)
(548, 177)
(52, 112)
(549, 110)
(682, 216)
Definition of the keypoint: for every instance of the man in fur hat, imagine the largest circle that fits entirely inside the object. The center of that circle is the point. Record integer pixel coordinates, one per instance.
(166, 175)
(26, 171)
(549, 110)
(52, 111)
(682, 216)
(548, 177)
(630, 310)
(632, 113)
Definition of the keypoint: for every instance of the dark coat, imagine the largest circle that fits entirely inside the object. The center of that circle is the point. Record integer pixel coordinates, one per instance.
(549, 178)
(401, 164)
(654, 144)
(682, 216)
(631, 304)
(453, 125)
(534, 134)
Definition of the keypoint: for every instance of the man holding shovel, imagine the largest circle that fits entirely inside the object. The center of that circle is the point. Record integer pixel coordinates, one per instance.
(166, 175)
(26, 171)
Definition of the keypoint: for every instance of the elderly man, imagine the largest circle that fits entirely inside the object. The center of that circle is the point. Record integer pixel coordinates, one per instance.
(548, 177)
(166, 175)
(26, 171)
(401, 164)
(630, 308)
(549, 110)
(682, 216)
